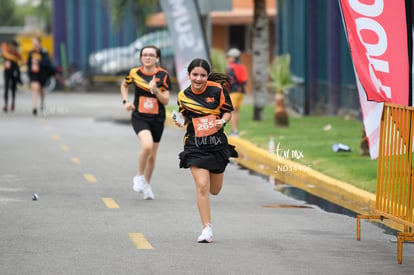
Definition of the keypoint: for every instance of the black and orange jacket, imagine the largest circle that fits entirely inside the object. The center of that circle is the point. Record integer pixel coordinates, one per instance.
(42, 58)
(141, 81)
(212, 100)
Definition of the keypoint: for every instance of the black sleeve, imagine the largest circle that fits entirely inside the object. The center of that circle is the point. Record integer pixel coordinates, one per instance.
(47, 64)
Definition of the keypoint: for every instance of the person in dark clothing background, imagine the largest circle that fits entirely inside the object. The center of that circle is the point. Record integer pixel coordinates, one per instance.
(11, 63)
(40, 68)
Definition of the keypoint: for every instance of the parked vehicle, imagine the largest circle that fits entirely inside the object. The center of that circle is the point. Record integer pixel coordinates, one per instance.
(119, 60)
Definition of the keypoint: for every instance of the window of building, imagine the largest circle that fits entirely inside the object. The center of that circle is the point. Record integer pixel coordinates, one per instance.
(238, 37)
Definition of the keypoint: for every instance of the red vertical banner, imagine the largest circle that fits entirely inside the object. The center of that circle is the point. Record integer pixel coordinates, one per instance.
(378, 41)
(377, 35)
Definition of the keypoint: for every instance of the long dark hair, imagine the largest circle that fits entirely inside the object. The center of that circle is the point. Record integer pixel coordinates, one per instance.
(223, 79)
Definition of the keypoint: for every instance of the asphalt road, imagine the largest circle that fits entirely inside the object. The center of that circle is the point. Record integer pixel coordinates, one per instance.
(80, 158)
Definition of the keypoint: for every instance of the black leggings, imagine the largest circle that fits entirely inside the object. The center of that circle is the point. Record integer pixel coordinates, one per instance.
(9, 82)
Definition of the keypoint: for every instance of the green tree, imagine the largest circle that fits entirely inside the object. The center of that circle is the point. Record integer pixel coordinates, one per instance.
(44, 11)
(41, 10)
(8, 13)
(141, 9)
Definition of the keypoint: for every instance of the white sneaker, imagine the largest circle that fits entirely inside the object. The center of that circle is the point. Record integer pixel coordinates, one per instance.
(234, 134)
(139, 183)
(148, 195)
(206, 235)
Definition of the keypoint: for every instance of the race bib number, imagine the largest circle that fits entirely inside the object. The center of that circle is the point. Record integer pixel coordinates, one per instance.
(148, 105)
(204, 126)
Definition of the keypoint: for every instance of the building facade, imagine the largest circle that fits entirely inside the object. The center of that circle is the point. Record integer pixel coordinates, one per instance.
(313, 34)
(81, 27)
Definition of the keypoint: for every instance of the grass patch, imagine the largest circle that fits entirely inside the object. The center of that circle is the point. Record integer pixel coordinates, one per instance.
(306, 142)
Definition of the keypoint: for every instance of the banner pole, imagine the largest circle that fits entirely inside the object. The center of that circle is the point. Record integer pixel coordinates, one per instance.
(408, 12)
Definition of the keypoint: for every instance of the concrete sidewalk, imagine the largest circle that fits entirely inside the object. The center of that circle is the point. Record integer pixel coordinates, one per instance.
(70, 230)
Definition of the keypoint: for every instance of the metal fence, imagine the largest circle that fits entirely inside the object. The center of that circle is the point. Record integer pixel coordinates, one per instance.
(395, 189)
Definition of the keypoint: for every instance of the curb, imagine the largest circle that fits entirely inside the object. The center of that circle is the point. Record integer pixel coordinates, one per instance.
(307, 179)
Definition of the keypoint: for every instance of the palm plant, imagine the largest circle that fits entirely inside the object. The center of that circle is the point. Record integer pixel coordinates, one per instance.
(218, 60)
(280, 82)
